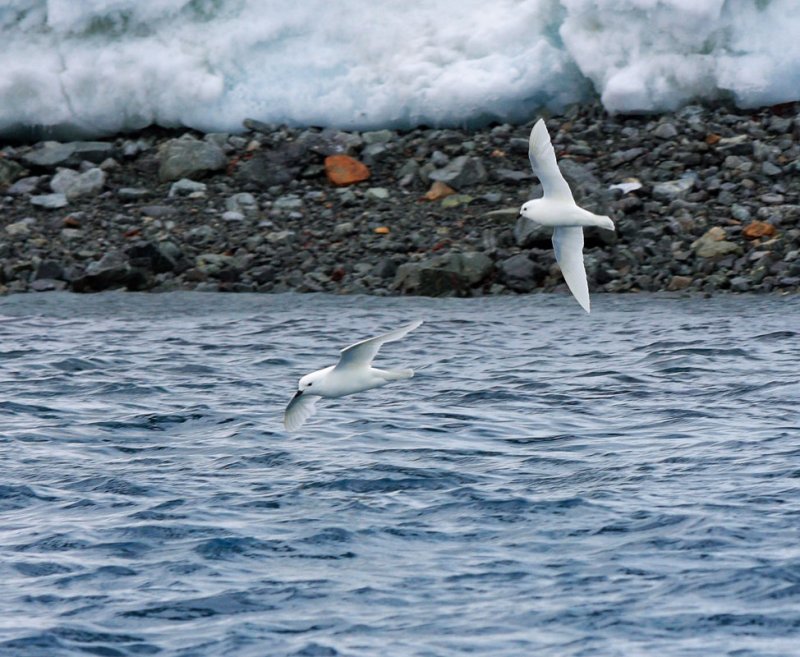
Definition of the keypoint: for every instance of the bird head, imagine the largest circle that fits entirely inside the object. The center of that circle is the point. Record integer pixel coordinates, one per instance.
(307, 382)
(528, 209)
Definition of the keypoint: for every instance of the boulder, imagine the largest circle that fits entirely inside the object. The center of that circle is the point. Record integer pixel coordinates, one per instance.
(461, 172)
(453, 273)
(343, 170)
(713, 244)
(673, 189)
(10, 171)
(278, 166)
(50, 201)
(528, 234)
(520, 273)
(186, 157)
(112, 270)
(74, 185)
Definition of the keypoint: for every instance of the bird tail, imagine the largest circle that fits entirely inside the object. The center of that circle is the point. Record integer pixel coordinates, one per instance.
(396, 375)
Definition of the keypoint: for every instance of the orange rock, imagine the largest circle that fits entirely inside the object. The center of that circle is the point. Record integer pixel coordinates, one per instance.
(438, 190)
(758, 229)
(712, 138)
(343, 170)
(382, 230)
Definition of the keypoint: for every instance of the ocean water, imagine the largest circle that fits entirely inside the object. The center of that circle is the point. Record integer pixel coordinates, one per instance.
(550, 483)
(103, 66)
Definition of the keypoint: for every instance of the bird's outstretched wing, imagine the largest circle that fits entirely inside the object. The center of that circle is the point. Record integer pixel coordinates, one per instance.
(568, 245)
(362, 353)
(543, 161)
(301, 408)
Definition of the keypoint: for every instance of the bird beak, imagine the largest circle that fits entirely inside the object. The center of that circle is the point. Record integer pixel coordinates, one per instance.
(297, 394)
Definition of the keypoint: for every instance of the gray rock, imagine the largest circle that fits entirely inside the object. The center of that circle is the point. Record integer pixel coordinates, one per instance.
(518, 145)
(10, 171)
(679, 283)
(156, 257)
(48, 269)
(280, 236)
(621, 157)
(713, 244)
(377, 136)
(201, 235)
(474, 265)
(738, 163)
(375, 153)
(74, 185)
(674, 189)
(410, 169)
(439, 159)
(740, 212)
(377, 193)
(25, 185)
(187, 156)
(528, 234)
(232, 215)
(288, 202)
(740, 284)
(453, 273)
(585, 186)
(133, 193)
(331, 142)
(112, 270)
(384, 268)
(665, 130)
(276, 167)
(20, 228)
(157, 211)
(184, 187)
(518, 272)
(738, 145)
(511, 175)
(242, 202)
(50, 201)
(47, 285)
(461, 172)
(49, 154)
(343, 229)
(770, 169)
(91, 151)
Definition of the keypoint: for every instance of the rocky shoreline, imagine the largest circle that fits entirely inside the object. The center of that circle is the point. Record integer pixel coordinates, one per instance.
(705, 199)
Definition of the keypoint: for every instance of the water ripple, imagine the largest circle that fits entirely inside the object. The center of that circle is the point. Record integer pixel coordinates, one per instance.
(549, 483)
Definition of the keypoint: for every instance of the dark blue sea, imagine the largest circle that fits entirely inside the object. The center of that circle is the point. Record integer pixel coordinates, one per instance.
(549, 484)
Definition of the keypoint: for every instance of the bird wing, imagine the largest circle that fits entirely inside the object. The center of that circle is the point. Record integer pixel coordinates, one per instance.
(543, 161)
(568, 245)
(362, 353)
(299, 410)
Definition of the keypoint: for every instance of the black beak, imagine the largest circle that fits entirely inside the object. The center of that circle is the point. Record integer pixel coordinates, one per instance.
(297, 394)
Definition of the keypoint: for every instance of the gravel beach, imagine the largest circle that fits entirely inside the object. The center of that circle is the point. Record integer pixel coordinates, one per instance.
(705, 199)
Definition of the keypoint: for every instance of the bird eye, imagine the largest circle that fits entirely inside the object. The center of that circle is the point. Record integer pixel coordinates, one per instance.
(310, 384)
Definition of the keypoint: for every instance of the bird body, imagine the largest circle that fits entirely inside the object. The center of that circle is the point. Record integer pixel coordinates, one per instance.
(558, 209)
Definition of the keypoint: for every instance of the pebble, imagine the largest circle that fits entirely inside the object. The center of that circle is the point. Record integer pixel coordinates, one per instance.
(185, 187)
(50, 201)
(377, 193)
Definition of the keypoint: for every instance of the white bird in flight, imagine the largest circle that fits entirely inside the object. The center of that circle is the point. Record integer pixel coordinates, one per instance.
(558, 209)
(353, 373)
